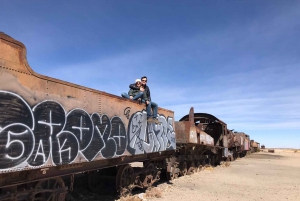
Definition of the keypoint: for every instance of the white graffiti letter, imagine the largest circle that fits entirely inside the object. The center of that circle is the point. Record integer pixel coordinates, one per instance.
(15, 141)
(60, 149)
(40, 153)
(119, 136)
(80, 128)
(50, 124)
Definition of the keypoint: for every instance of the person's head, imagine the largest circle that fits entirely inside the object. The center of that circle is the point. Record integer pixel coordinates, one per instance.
(144, 80)
(138, 82)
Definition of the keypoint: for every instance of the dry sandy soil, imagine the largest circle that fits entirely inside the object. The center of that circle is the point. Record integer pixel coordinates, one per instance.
(259, 176)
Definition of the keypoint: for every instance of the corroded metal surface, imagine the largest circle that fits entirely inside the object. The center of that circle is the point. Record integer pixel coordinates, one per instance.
(52, 128)
(271, 150)
(48, 122)
(188, 132)
(243, 141)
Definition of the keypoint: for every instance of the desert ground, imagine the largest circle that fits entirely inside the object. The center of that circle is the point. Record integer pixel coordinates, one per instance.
(259, 176)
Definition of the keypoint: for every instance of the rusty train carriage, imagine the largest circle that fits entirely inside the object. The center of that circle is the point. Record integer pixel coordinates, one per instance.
(239, 144)
(255, 146)
(200, 140)
(51, 128)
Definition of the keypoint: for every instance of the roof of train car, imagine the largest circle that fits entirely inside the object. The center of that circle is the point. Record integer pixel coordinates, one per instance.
(198, 116)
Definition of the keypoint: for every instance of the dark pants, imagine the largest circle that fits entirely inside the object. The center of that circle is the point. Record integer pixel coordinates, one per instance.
(152, 105)
(137, 96)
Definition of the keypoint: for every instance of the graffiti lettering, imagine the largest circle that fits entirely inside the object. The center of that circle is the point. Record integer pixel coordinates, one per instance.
(159, 137)
(47, 134)
(127, 112)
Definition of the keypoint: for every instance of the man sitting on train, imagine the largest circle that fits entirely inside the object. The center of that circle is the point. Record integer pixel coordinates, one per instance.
(147, 99)
(135, 93)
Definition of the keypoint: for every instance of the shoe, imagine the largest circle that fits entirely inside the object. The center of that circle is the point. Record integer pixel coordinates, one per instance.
(139, 101)
(155, 120)
(150, 120)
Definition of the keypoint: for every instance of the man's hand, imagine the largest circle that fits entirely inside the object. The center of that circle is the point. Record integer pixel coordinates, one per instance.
(131, 97)
(147, 102)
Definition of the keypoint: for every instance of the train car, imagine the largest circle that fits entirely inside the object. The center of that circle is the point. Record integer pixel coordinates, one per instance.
(243, 142)
(201, 140)
(238, 144)
(51, 129)
(258, 147)
(255, 146)
(233, 145)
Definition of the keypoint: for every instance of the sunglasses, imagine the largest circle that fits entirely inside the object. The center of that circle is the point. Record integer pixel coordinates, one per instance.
(144, 80)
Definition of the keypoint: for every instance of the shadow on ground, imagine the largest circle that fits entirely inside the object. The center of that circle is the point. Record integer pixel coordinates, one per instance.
(265, 156)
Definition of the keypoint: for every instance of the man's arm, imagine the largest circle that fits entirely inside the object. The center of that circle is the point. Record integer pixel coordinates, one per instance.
(133, 86)
(146, 96)
(148, 93)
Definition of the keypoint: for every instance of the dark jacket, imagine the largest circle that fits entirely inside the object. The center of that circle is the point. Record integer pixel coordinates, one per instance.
(134, 90)
(146, 95)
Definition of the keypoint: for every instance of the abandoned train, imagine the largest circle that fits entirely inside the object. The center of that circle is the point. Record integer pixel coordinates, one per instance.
(51, 130)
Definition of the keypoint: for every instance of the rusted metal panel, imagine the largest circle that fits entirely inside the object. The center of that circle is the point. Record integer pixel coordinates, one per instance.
(241, 140)
(225, 141)
(254, 144)
(271, 150)
(180, 128)
(209, 130)
(48, 122)
(246, 145)
(225, 152)
(240, 137)
(209, 140)
(202, 138)
(186, 131)
(231, 138)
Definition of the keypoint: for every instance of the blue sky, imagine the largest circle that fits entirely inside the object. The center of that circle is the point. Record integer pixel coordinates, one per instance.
(238, 60)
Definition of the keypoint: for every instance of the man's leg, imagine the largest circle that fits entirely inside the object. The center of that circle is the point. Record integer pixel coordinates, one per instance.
(148, 108)
(125, 95)
(149, 114)
(154, 107)
(139, 95)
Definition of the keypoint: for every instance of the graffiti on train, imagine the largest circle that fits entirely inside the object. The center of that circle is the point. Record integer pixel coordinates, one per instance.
(147, 138)
(46, 134)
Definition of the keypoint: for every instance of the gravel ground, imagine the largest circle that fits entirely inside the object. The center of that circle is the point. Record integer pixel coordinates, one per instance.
(259, 176)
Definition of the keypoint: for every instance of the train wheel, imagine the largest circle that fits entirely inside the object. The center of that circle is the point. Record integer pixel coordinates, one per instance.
(151, 172)
(191, 169)
(183, 169)
(124, 180)
(50, 190)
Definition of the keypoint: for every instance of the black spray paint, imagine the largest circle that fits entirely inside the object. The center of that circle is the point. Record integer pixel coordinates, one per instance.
(47, 134)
